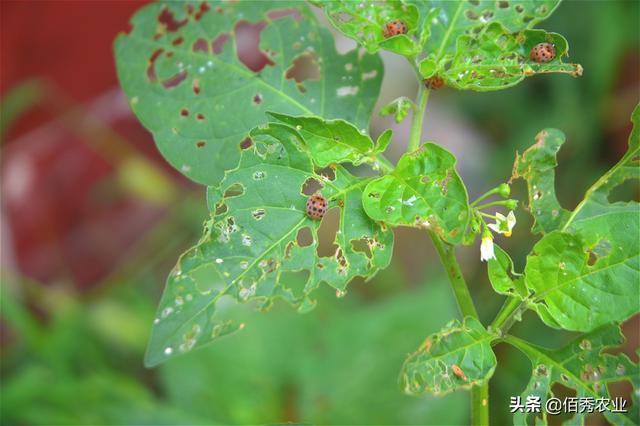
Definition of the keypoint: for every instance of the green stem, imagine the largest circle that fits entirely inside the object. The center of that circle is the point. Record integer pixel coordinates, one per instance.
(507, 315)
(479, 394)
(418, 118)
(458, 284)
(485, 195)
(494, 203)
(480, 405)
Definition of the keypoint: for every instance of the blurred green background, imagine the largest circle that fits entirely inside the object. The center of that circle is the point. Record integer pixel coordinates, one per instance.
(74, 330)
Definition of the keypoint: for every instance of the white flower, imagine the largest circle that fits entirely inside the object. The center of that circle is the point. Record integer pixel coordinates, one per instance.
(504, 225)
(486, 248)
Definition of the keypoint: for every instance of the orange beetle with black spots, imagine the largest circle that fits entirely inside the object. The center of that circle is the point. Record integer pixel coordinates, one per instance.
(316, 207)
(394, 28)
(543, 53)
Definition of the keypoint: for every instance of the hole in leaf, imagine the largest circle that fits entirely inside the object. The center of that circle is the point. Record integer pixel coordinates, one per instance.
(363, 245)
(220, 209)
(200, 45)
(311, 186)
(519, 8)
(246, 143)
(304, 237)
(502, 4)
(592, 259)
(474, 2)
(304, 67)
(178, 41)
(629, 190)
(184, 112)
(248, 45)
(327, 173)
(258, 214)
(201, 144)
(283, 13)
(470, 14)
(327, 233)
(204, 8)
(347, 91)
(234, 190)
(175, 80)
(257, 99)
(219, 43)
(169, 22)
(200, 117)
(151, 69)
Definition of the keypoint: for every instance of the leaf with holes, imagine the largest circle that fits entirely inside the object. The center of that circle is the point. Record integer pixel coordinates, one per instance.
(365, 22)
(496, 59)
(586, 273)
(332, 141)
(260, 239)
(536, 165)
(504, 279)
(472, 45)
(196, 81)
(457, 357)
(581, 365)
(399, 107)
(424, 190)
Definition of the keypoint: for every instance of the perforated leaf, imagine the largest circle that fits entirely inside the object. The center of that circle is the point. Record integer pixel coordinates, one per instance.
(457, 357)
(365, 21)
(423, 190)
(537, 166)
(581, 365)
(472, 45)
(260, 239)
(180, 69)
(497, 59)
(586, 273)
(332, 141)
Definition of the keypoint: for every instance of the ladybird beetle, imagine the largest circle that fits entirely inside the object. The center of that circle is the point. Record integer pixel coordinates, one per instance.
(434, 83)
(394, 28)
(316, 206)
(543, 53)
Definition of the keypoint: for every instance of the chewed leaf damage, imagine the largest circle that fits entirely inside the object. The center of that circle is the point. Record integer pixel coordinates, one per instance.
(259, 235)
(230, 62)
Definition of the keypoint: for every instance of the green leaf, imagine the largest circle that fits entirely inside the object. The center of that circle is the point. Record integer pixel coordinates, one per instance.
(331, 141)
(472, 45)
(586, 273)
(189, 88)
(399, 107)
(423, 190)
(258, 237)
(504, 279)
(364, 22)
(581, 365)
(457, 357)
(536, 165)
(497, 59)
(579, 293)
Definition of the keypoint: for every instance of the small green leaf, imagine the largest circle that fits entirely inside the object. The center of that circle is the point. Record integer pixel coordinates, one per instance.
(427, 67)
(383, 141)
(180, 69)
(258, 236)
(497, 59)
(581, 365)
(536, 165)
(503, 277)
(399, 107)
(457, 357)
(423, 190)
(331, 141)
(365, 21)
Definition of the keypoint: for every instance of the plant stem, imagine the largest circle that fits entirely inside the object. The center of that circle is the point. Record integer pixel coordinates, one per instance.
(479, 394)
(507, 315)
(458, 284)
(485, 195)
(418, 118)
